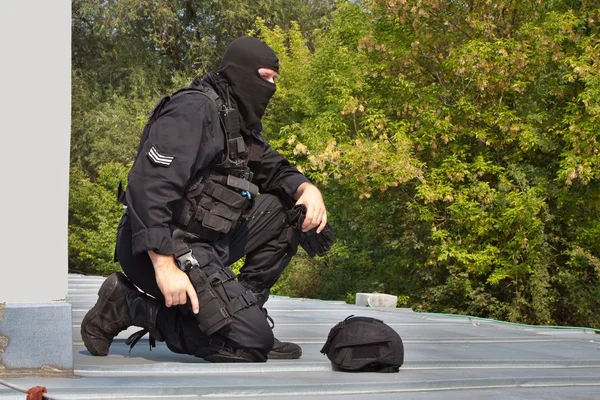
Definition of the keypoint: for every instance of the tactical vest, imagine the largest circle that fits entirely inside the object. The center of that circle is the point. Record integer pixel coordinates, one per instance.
(216, 198)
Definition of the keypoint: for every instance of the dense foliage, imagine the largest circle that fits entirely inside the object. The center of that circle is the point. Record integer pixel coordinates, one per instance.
(456, 142)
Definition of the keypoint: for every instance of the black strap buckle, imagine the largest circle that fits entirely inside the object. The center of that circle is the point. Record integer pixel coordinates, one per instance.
(221, 276)
(242, 185)
(224, 313)
(249, 297)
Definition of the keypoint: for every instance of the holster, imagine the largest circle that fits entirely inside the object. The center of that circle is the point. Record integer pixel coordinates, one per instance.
(216, 307)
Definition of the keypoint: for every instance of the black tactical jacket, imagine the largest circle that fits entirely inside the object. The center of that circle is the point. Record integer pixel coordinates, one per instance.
(185, 140)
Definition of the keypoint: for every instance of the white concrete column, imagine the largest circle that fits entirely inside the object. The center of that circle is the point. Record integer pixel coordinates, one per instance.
(35, 124)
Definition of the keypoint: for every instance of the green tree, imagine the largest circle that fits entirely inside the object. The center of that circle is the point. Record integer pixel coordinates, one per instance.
(458, 142)
(93, 217)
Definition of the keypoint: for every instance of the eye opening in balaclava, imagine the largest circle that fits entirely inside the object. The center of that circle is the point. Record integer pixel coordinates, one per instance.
(240, 64)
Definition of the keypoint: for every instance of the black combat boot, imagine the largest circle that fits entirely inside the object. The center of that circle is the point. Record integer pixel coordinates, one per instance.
(280, 350)
(120, 305)
(219, 352)
(285, 350)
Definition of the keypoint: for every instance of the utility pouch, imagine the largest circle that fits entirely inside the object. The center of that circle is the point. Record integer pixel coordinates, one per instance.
(210, 207)
(225, 195)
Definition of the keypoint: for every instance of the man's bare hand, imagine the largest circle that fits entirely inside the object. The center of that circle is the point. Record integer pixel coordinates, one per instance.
(173, 283)
(316, 213)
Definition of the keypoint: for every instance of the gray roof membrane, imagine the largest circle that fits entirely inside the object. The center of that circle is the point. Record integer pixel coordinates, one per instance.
(446, 357)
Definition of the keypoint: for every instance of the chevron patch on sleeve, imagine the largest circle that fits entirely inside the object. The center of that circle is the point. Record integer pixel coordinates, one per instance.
(159, 158)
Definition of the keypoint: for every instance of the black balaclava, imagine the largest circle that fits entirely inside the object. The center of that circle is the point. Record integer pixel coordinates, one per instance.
(240, 64)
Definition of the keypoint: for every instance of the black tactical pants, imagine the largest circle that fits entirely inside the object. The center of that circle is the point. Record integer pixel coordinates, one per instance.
(262, 236)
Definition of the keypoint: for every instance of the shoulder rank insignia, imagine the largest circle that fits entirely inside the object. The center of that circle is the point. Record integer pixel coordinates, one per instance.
(158, 158)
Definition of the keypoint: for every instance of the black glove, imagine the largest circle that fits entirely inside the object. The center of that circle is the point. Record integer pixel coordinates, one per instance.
(312, 242)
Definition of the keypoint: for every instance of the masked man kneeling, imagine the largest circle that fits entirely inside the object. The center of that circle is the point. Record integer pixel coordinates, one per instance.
(205, 190)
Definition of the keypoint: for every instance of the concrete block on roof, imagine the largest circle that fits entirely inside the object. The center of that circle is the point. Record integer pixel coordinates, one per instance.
(376, 300)
(36, 337)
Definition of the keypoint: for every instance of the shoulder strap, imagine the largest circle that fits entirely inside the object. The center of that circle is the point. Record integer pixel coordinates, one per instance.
(208, 92)
(228, 116)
